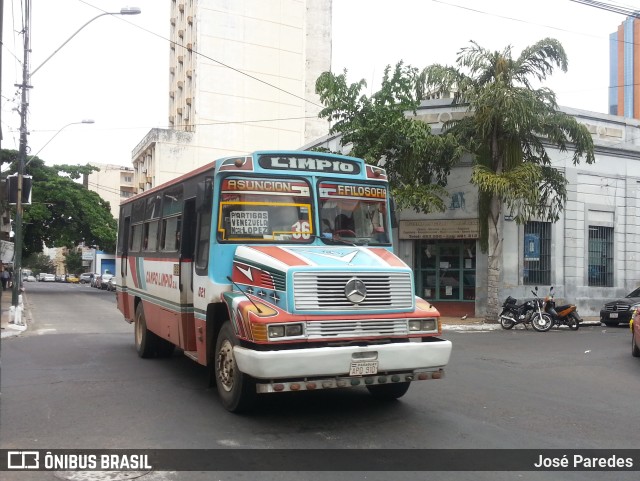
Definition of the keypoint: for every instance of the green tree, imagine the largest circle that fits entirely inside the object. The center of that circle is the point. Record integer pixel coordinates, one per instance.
(382, 130)
(509, 124)
(63, 212)
(39, 262)
(73, 262)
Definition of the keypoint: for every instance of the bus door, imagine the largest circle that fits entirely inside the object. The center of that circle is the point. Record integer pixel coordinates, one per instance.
(185, 275)
(123, 247)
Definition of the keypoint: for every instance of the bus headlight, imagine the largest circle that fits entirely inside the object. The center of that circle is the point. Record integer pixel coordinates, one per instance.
(279, 331)
(416, 325)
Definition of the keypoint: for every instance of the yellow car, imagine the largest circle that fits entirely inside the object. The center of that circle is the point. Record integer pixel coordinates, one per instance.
(73, 278)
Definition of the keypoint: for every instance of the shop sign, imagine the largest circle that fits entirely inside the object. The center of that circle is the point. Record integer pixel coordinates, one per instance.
(439, 229)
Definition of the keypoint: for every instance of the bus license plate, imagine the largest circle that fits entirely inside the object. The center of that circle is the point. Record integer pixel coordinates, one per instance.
(613, 315)
(363, 368)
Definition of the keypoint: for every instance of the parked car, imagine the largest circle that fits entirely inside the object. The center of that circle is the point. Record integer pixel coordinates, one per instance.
(111, 284)
(29, 278)
(87, 277)
(620, 310)
(48, 278)
(634, 325)
(102, 281)
(40, 277)
(73, 279)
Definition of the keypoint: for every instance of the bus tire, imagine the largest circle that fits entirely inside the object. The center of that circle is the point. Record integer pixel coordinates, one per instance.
(237, 390)
(146, 341)
(389, 392)
(164, 348)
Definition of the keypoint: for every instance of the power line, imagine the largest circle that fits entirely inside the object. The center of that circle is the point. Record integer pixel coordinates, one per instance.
(212, 59)
(629, 12)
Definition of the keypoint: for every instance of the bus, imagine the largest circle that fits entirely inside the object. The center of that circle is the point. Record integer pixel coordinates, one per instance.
(276, 271)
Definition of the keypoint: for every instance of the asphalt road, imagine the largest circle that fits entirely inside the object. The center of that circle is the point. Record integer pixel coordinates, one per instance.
(74, 381)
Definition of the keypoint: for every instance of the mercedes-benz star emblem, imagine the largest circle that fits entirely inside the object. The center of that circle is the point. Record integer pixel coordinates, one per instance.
(355, 290)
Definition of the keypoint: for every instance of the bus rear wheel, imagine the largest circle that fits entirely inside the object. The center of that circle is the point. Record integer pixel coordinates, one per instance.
(145, 340)
(147, 343)
(237, 390)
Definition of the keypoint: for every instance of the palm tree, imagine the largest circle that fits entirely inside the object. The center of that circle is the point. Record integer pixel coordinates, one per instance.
(508, 126)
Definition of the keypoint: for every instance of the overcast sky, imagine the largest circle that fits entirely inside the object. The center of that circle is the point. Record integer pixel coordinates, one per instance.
(115, 71)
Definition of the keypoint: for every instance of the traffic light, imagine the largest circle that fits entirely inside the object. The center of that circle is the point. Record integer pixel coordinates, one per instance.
(12, 189)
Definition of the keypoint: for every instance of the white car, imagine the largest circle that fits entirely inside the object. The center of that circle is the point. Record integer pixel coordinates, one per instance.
(49, 278)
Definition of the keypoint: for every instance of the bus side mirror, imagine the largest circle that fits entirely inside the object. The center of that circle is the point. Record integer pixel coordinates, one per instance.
(392, 209)
(204, 194)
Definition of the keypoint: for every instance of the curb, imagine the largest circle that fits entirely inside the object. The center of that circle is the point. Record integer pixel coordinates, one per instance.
(8, 328)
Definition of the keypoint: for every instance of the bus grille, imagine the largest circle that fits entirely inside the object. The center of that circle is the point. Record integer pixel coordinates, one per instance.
(324, 291)
(354, 329)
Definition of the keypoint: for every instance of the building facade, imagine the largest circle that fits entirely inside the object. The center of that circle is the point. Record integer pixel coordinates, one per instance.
(590, 255)
(624, 69)
(114, 183)
(241, 78)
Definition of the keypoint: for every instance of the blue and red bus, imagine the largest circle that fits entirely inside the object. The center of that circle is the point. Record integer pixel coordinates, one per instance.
(277, 271)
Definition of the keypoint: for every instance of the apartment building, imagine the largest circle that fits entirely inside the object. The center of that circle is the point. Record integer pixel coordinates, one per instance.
(241, 78)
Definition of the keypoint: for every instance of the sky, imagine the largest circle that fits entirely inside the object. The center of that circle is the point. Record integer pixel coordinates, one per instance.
(115, 70)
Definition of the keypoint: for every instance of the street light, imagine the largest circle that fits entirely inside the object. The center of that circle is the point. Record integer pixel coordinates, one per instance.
(22, 153)
(123, 11)
(84, 121)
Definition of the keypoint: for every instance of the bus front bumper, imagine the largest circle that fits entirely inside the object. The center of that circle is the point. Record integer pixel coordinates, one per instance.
(408, 360)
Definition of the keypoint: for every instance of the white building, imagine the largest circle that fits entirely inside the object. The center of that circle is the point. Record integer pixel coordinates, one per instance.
(591, 255)
(242, 78)
(114, 183)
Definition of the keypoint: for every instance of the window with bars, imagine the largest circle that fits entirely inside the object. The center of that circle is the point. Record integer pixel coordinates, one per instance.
(537, 253)
(600, 268)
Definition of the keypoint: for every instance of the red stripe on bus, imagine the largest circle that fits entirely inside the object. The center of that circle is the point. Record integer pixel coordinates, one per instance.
(281, 255)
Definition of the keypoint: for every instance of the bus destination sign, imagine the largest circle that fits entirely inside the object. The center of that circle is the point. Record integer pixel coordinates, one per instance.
(310, 163)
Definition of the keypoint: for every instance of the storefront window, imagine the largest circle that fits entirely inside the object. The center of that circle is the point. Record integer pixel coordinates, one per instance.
(446, 270)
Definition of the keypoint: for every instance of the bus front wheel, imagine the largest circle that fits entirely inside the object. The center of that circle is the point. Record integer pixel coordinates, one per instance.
(389, 392)
(237, 390)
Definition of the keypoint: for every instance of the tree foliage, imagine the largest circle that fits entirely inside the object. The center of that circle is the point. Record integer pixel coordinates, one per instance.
(509, 126)
(63, 212)
(73, 262)
(380, 129)
(39, 262)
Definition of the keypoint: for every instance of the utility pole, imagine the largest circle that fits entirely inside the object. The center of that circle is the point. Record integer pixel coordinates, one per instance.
(22, 155)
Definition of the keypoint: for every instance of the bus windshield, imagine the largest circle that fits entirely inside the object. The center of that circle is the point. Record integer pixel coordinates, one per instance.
(265, 210)
(354, 212)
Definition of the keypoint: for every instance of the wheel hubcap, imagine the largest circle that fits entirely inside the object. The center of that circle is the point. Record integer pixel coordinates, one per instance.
(226, 366)
(138, 331)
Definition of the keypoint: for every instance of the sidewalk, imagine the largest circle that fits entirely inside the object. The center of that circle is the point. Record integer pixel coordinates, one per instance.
(8, 329)
(479, 324)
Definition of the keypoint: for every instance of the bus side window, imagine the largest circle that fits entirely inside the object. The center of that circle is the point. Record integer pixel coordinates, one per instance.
(203, 239)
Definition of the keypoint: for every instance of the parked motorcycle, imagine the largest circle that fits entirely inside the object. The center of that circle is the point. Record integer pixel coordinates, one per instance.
(565, 315)
(514, 313)
(541, 321)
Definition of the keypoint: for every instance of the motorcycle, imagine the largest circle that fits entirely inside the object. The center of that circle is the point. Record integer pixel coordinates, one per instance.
(565, 315)
(513, 314)
(541, 321)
